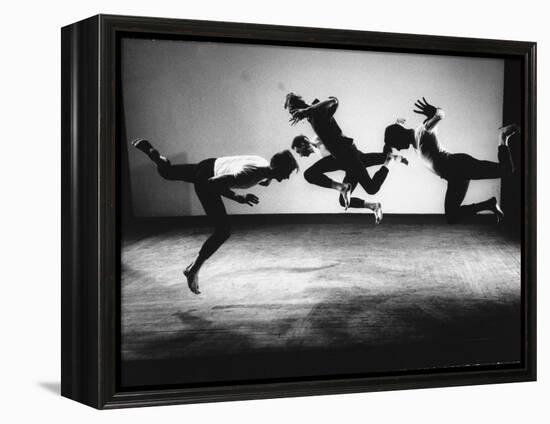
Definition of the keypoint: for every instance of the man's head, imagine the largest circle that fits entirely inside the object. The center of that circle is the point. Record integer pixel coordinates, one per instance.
(398, 137)
(294, 101)
(302, 146)
(282, 164)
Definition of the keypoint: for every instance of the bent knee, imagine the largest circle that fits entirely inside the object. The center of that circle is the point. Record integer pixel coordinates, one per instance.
(372, 190)
(309, 176)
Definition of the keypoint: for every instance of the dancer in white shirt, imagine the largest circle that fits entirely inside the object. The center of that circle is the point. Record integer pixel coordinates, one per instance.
(214, 178)
(456, 168)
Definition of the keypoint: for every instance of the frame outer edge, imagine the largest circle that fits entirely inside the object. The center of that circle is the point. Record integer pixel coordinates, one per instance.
(89, 213)
(531, 221)
(107, 203)
(79, 129)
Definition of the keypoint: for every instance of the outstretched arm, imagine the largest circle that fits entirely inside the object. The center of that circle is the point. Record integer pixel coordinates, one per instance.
(327, 107)
(223, 184)
(433, 114)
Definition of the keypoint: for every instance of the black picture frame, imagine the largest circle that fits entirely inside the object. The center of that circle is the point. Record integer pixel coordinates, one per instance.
(90, 198)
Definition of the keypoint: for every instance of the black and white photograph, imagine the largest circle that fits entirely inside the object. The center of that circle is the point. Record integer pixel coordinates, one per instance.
(284, 212)
(298, 212)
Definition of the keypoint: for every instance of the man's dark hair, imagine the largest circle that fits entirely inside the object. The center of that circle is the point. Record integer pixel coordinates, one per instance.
(396, 136)
(284, 161)
(299, 141)
(294, 101)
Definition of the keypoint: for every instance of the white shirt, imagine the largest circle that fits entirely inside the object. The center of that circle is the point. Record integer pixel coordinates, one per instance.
(321, 149)
(247, 170)
(428, 148)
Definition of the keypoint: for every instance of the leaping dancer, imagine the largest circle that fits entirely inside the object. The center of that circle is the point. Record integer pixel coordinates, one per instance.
(315, 174)
(214, 178)
(456, 168)
(344, 155)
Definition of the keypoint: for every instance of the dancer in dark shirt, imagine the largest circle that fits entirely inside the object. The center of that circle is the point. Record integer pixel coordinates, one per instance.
(315, 174)
(345, 155)
(321, 117)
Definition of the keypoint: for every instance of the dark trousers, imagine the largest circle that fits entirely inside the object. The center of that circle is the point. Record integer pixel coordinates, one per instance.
(212, 203)
(458, 169)
(315, 174)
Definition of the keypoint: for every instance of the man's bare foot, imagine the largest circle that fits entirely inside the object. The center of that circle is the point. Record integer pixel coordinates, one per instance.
(345, 192)
(378, 215)
(495, 208)
(507, 131)
(192, 280)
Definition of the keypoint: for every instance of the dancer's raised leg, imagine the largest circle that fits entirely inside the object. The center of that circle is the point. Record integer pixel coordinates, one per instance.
(315, 174)
(168, 171)
(358, 203)
(367, 160)
(351, 161)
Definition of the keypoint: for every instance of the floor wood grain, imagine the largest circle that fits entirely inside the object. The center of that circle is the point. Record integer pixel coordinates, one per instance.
(452, 291)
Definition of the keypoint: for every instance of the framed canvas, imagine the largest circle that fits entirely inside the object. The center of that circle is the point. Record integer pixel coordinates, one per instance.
(253, 211)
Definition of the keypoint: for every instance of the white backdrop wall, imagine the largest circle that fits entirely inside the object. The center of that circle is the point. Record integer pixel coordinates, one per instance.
(196, 100)
(30, 222)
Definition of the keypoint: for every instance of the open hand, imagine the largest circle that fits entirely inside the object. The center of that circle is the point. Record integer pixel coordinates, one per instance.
(394, 152)
(298, 115)
(424, 108)
(249, 199)
(395, 157)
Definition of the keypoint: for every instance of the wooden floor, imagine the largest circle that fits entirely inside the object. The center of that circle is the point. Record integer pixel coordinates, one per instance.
(450, 293)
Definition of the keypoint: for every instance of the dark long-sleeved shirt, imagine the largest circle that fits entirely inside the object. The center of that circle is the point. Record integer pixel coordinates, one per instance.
(327, 129)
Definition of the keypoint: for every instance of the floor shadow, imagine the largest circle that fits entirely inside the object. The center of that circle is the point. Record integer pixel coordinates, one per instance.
(278, 269)
(462, 331)
(51, 386)
(189, 341)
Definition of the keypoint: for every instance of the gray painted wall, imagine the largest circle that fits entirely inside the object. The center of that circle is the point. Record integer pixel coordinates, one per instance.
(196, 100)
